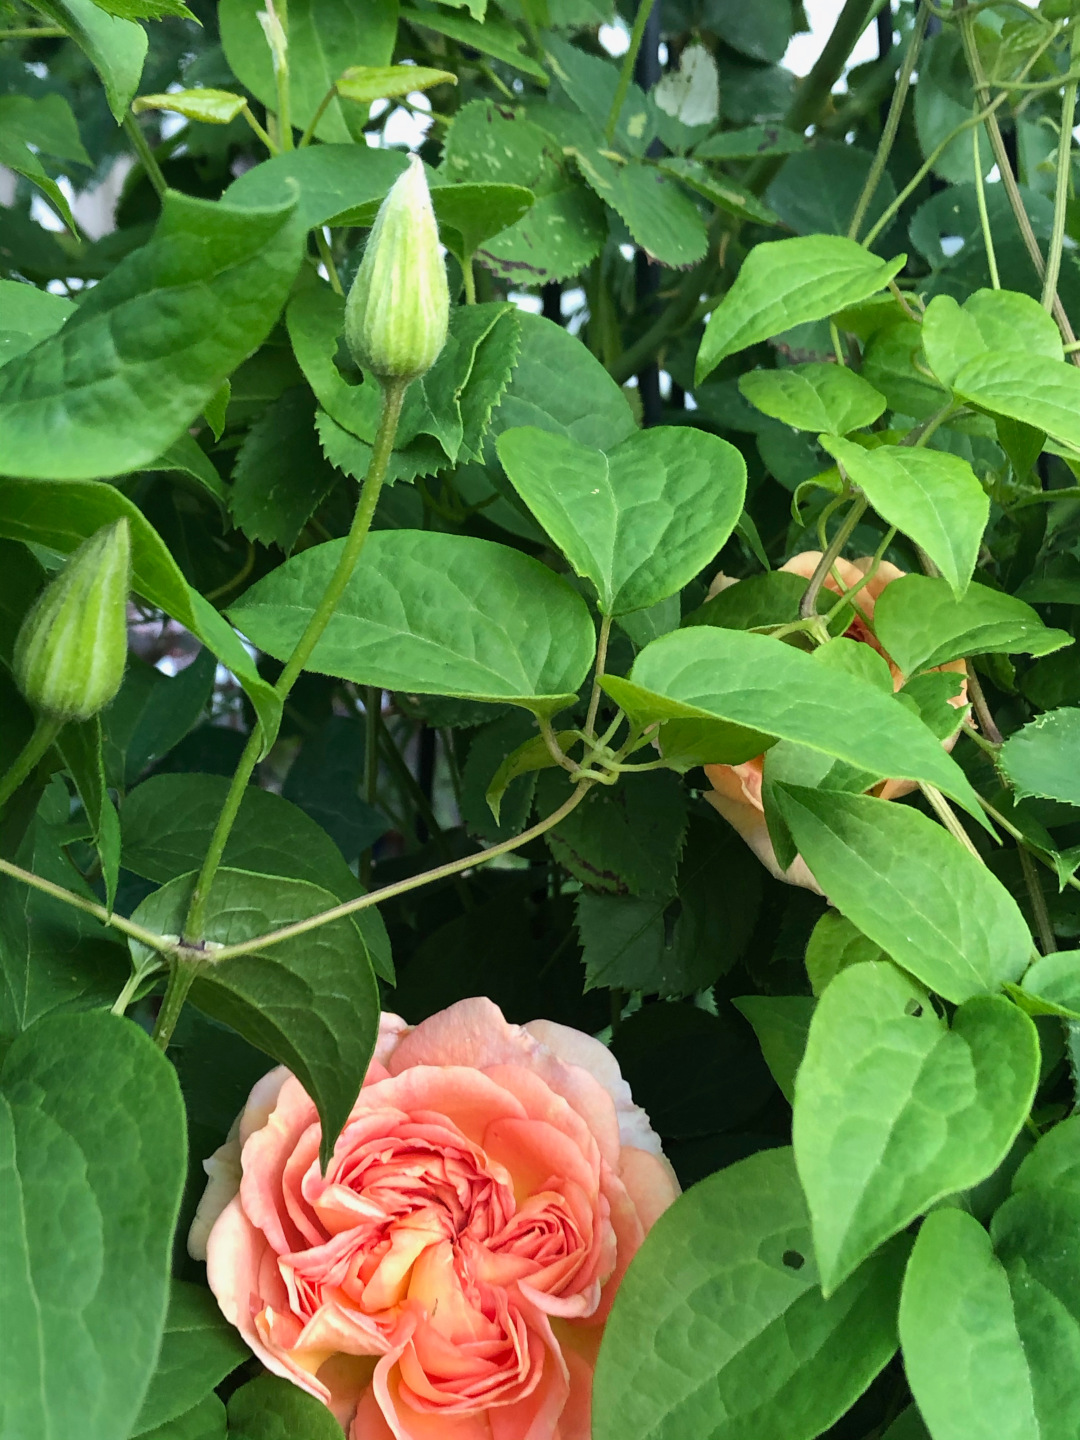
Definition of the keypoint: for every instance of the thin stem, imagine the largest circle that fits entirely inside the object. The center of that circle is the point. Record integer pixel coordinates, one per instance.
(414, 882)
(258, 129)
(808, 603)
(984, 214)
(34, 32)
(598, 673)
(127, 994)
(848, 595)
(943, 810)
(44, 733)
(637, 35)
(838, 349)
(892, 123)
(1041, 915)
(468, 275)
(554, 749)
(89, 907)
(1061, 193)
(309, 133)
(146, 155)
(327, 258)
(237, 579)
(393, 395)
(1022, 840)
(982, 710)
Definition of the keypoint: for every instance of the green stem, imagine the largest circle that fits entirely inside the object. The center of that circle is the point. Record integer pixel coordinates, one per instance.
(44, 733)
(146, 155)
(34, 32)
(393, 394)
(808, 603)
(127, 994)
(89, 907)
(626, 74)
(309, 133)
(849, 595)
(1022, 840)
(414, 882)
(327, 258)
(943, 810)
(598, 672)
(984, 214)
(1061, 192)
(258, 129)
(1043, 926)
(468, 275)
(892, 123)
(982, 711)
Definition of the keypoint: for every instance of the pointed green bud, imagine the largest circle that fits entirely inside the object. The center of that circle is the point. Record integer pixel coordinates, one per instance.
(399, 305)
(72, 646)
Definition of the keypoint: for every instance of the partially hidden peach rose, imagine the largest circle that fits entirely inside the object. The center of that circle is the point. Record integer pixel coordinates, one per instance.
(449, 1277)
(736, 791)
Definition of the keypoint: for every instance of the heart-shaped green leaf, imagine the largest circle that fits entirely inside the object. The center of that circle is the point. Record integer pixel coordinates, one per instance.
(814, 397)
(332, 182)
(933, 497)
(1033, 389)
(433, 614)
(640, 521)
(894, 1109)
(908, 885)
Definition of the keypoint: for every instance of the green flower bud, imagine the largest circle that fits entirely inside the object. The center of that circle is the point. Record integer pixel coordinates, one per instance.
(399, 305)
(72, 646)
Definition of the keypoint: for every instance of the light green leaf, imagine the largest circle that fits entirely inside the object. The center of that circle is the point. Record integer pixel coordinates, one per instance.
(168, 821)
(933, 497)
(724, 192)
(433, 614)
(763, 685)
(46, 122)
(754, 142)
(1055, 1159)
(1044, 757)
(731, 1265)
(312, 1002)
(92, 1139)
(494, 37)
(529, 757)
(814, 397)
(921, 624)
(554, 240)
(270, 1408)
(894, 1109)
(28, 316)
(781, 1024)
(325, 36)
(1051, 986)
(911, 888)
(146, 9)
(62, 516)
(80, 747)
(470, 213)
(212, 107)
(1033, 389)
(988, 320)
(835, 944)
(116, 48)
(639, 522)
(207, 288)
(198, 1349)
(16, 155)
(788, 282)
(558, 385)
(333, 182)
(663, 220)
(368, 83)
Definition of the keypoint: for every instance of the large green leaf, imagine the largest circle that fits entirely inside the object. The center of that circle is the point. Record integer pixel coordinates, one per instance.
(28, 316)
(909, 886)
(198, 1349)
(988, 320)
(720, 1329)
(991, 1329)
(814, 397)
(763, 685)
(204, 1421)
(116, 48)
(270, 1408)
(331, 181)
(149, 346)
(554, 240)
(660, 216)
(1033, 389)
(92, 1165)
(63, 515)
(933, 497)
(1052, 985)
(1044, 757)
(312, 1002)
(921, 623)
(788, 282)
(169, 819)
(325, 38)
(433, 614)
(894, 1109)
(640, 521)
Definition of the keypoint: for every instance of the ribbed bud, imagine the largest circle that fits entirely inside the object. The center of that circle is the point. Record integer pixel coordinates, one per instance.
(399, 305)
(71, 648)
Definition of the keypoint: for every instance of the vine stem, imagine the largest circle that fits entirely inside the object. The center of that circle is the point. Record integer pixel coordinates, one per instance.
(44, 733)
(1022, 840)
(637, 35)
(183, 971)
(984, 214)
(414, 882)
(986, 721)
(598, 675)
(146, 155)
(892, 122)
(1061, 189)
(1043, 926)
(156, 942)
(943, 810)
(808, 603)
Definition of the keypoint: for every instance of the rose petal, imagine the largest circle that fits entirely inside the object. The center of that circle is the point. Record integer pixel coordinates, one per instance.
(650, 1182)
(573, 1047)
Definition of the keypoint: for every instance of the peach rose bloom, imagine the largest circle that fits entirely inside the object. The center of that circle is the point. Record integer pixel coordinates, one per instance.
(449, 1277)
(736, 791)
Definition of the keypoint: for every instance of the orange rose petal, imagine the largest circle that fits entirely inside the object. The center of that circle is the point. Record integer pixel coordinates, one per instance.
(650, 1182)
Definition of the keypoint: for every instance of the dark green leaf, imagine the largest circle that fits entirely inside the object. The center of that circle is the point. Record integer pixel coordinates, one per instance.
(332, 181)
(270, 1408)
(116, 48)
(81, 748)
(280, 477)
(781, 1024)
(731, 1265)
(198, 1349)
(761, 600)
(151, 714)
(92, 1133)
(204, 1421)
(494, 37)
(663, 220)
(819, 186)
(894, 1109)
(312, 1002)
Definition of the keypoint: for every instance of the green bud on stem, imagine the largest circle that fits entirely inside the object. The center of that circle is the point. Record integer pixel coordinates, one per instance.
(72, 646)
(399, 305)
